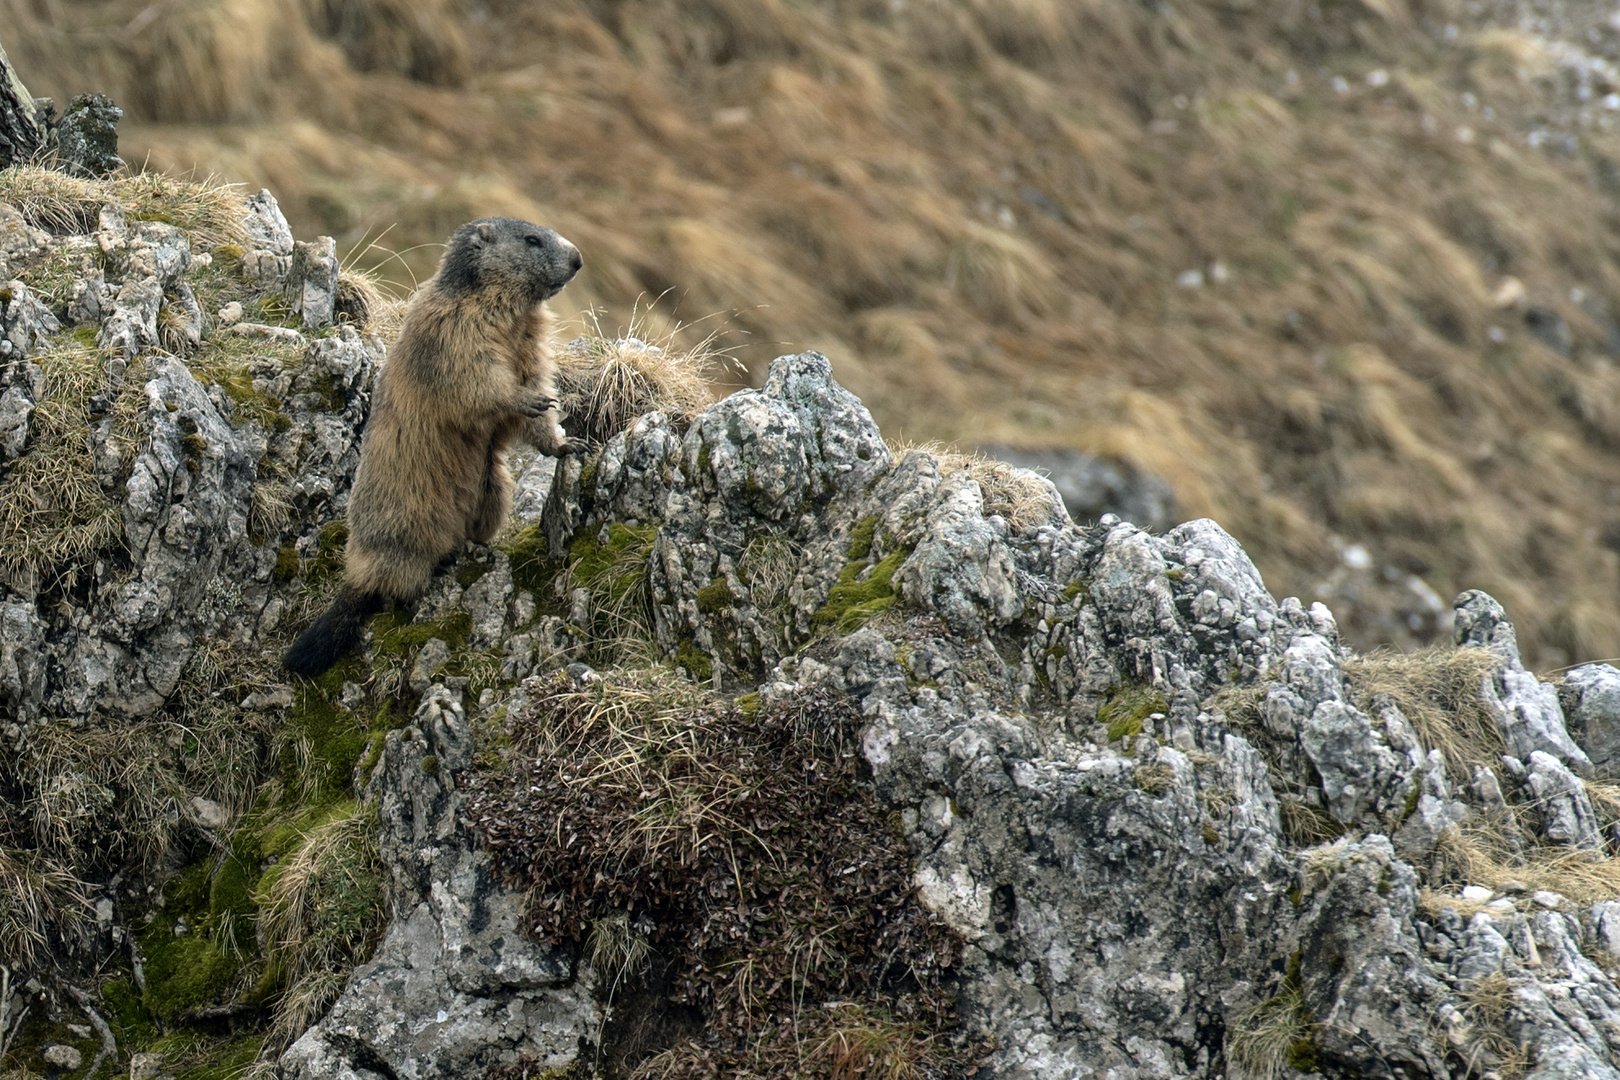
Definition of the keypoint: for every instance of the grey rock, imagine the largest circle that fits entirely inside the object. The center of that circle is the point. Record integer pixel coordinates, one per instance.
(21, 133)
(455, 988)
(1525, 708)
(62, 1056)
(1566, 810)
(963, 569)
(25, 322)
(1590, 696)
(311, 286)
(1094, 487)
(145, 1066)
(1434, 816)
(429, 659)
(22, 658)
(87, 137)
(1359, 770)
(268, 258)
(21, 384)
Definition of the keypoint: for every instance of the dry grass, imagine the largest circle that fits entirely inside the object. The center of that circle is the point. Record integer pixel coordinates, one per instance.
(605, 383)
(1271, 1038)
(769, 566)
(209, 210)
(42, 906)
(1478, 855)
(1438, 691)
(1486, 1003)
(54, 517)
(1023, 498)
(105, 795)
(320, 910)
(738, 842)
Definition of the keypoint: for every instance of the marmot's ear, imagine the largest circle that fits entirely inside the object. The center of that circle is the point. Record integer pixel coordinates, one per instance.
(486, 232)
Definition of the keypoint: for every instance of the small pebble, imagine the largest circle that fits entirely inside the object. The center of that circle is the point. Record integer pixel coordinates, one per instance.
(230, 314)
(1477, 894)
(1547, 899)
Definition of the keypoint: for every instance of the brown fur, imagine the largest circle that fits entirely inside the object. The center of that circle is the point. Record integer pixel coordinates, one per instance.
(469, 376)
(449, 403)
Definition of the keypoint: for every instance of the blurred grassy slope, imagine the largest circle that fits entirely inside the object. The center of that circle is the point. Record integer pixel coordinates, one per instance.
(981, 208)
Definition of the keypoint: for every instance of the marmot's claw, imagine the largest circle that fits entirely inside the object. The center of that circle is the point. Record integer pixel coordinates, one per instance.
(567, 447)
(537, 405)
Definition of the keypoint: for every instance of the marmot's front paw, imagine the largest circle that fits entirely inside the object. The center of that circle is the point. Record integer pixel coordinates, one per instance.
(534, 403)
(566, 446)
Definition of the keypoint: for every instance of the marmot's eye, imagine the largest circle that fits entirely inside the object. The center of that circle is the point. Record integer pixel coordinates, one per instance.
(532, 241)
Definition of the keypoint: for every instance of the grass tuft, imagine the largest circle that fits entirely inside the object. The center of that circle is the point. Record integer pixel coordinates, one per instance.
(54, 516)
(1438, 691)
(604, 383)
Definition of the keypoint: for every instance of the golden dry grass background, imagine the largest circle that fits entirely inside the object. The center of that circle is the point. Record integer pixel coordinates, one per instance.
(980, 209)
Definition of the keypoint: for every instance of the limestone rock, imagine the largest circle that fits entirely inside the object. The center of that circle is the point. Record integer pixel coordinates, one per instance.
(87, 136)
(1590, 696)
(312, 281)
(455, 988)
(268, 259)
(1526, 709)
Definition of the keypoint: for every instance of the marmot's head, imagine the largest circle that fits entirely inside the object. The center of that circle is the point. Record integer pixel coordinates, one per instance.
(508, 255)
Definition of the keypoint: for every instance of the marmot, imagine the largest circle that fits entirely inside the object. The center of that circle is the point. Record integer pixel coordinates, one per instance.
(469, 376)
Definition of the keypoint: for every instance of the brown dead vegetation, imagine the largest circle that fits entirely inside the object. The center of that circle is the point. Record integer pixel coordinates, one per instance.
(723, 863)
(981, 208)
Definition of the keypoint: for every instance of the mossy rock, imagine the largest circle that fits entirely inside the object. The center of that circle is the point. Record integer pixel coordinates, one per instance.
(1127, 708)
(860, 537)
(714, 597)
(694, 660)
(533, 568)
(852, 602)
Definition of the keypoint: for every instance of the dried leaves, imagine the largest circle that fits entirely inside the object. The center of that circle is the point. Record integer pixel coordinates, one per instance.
(746, 849)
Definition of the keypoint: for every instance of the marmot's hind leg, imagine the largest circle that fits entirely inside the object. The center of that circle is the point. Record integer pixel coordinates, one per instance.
(494, 502)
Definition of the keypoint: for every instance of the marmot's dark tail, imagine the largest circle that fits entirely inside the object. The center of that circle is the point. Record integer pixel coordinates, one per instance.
(334, 634)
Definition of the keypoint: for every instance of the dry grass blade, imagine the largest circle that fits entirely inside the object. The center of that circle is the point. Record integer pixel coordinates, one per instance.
(210, 211)
(1025, 499)
(604, 383)
(1438, 691)
(319, 912)
(858, 1045)
(54, 516)
(105, 793)
(1271, 1038)
(59, 204)
(41, 904)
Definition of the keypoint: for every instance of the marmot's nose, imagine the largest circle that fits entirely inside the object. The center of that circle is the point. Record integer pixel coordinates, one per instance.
(574, 261)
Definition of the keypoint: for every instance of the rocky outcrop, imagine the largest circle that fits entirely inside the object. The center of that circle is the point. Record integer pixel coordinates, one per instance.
(1175, 833)
(1131, 901)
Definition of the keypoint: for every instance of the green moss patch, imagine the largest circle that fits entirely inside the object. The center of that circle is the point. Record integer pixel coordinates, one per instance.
(852, 602)
(1127, 708)
(693, 659)
(860, 537)
(287, 562)
(714, 597)
(530, 557)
